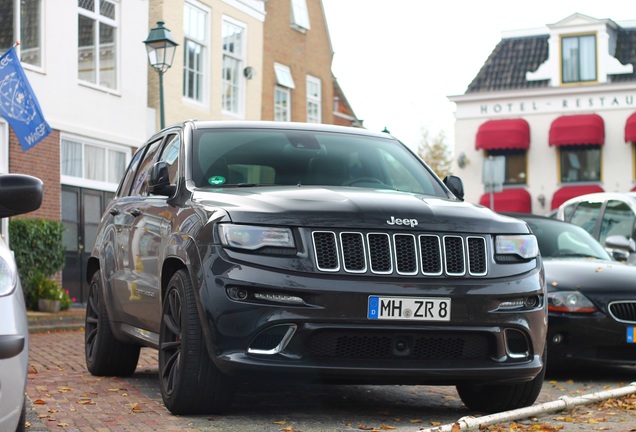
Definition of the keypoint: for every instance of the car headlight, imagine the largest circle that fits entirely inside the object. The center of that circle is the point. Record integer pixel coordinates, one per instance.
(8, 272)
(255, 237)
(525, 246)
(569, 301)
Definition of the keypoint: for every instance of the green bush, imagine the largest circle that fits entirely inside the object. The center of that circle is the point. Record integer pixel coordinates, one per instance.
(39, 249)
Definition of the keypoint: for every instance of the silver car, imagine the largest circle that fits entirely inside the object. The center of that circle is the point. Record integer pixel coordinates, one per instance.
(610, 217)
(18, 194)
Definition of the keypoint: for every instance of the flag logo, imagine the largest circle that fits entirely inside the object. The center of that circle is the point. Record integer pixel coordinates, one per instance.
(18, 104)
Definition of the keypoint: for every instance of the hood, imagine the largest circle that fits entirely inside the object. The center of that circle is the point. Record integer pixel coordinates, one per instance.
(346, 207)
(589, 275)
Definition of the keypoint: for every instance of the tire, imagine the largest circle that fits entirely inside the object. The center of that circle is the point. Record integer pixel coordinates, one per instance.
(190, 382)
(105, 355)
(495, 398)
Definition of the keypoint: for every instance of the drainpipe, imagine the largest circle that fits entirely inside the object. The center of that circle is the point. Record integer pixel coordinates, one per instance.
(563, 403)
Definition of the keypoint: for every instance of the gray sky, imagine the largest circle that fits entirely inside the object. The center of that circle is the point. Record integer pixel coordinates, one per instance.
(399, 60)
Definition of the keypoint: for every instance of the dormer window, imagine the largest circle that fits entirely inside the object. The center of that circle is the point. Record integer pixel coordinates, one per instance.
(578, 58)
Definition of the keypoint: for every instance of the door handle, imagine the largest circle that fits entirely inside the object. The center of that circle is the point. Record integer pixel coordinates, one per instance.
(135, 212)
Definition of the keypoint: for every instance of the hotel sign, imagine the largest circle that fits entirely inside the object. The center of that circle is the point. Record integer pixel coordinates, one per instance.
(468, 107)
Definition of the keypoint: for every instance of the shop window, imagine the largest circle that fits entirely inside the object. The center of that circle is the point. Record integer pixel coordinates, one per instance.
(516, 165)
(580, 163)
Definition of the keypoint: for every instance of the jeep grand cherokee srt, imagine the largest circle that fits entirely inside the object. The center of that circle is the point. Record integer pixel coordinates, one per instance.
(245, 250)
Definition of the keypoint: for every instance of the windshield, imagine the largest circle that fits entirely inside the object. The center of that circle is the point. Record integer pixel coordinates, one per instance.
(561, 239)
(240, 157)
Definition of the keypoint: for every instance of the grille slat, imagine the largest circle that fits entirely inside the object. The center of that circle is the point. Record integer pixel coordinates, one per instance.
(400, 253)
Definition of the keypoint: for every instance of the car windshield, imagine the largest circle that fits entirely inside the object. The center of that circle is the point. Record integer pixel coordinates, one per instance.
(239, 157)
(559, 239)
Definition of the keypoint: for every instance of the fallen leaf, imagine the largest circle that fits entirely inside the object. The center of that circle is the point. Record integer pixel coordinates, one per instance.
(63, 424)
(384, 427)
(85, 402)
(364, 427)
(39, 402)
(415, 421)
(435, 423)
(280, 422)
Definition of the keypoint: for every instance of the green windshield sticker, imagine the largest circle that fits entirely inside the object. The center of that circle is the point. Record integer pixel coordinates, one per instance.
(216, 180)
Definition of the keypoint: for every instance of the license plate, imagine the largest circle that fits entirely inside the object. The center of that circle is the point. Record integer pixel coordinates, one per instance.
(631, 335)
(409, 308)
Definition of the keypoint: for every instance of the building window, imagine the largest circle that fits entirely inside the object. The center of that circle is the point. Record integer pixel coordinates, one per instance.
(284, 76)
(98, 42)
(580, 164)
(299, 15)
(84, 162)
(578, 58)
(515, 165)
(314, 104)
(194, 28)
(282, 104)
(233, 60)
(27, 29)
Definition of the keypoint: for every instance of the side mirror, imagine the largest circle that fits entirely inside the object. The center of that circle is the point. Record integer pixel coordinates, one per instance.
(159, 180)
(19, 194)
(620, 247)
(455, 185)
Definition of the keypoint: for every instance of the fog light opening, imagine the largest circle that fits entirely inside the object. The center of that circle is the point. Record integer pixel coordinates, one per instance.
(557, 338)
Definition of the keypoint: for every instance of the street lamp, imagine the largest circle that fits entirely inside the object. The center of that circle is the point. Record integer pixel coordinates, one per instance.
(161, 47)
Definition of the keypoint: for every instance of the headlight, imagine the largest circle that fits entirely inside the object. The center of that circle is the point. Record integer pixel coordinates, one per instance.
(8, 272)
(255, 237)
(569, 301)
(525, 246)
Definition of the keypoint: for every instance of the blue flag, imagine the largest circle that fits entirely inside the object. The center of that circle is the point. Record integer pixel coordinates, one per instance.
(18, 104)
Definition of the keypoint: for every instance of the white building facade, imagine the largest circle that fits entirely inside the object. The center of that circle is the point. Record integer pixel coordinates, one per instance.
(559, 104)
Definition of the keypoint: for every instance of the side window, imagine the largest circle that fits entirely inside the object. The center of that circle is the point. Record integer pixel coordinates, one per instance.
(170, 155)
(124, 186)
(586, 215)
(141, 179)
(567, 212)
(618, 219)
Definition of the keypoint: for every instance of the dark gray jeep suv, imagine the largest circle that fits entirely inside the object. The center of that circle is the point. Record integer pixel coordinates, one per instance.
(243, 250)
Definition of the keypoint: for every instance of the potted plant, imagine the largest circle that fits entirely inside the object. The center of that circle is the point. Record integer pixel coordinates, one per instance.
(51, 297)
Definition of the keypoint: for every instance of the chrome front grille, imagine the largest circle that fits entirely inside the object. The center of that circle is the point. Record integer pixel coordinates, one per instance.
(623, 311)
(401, 253)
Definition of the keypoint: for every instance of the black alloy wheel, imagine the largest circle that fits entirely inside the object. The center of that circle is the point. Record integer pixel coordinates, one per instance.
(190, 382)
(105, 355)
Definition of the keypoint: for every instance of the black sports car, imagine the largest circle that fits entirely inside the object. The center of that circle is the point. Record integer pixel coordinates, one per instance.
(591, 298)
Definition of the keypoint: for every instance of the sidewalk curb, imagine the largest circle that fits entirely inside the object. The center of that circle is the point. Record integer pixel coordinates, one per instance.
(72, 319)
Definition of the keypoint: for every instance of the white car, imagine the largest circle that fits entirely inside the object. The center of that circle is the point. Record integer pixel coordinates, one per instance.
(18, 194)
(610, 217)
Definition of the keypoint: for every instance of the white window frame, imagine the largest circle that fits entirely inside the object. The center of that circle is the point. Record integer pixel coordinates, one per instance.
(299, 15)
(314, 101)
(282, 112)
(239, 58)
(284, 76)
(203, 43)
(17, 35)
(83, 181)
(100, 19)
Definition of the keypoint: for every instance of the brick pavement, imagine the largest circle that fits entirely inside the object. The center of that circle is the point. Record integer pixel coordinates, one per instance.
(59, 388)
(62, 395)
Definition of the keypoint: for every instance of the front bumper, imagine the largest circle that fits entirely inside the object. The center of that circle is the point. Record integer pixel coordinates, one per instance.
(329, 337)
(591, 338)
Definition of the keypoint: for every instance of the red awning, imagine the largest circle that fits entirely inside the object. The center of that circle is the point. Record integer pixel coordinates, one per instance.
(515, 200)
(566, 192)
(503, 134)
(630, 129)
(577, 129)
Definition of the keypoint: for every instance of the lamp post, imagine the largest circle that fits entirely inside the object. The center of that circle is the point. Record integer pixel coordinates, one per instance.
(161, 47)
